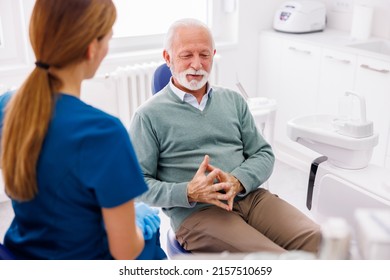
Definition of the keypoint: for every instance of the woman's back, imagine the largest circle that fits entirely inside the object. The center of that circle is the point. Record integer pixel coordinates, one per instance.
(86, 163)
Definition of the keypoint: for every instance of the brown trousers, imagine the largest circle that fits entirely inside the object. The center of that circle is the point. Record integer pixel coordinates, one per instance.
(261, 222)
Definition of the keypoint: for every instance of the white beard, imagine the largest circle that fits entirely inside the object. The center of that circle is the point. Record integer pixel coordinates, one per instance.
(194, 84)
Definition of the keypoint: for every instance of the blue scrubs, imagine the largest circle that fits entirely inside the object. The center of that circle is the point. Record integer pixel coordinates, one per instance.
(87, 162)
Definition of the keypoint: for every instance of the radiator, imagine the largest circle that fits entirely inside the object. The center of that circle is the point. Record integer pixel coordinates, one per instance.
(122, 91)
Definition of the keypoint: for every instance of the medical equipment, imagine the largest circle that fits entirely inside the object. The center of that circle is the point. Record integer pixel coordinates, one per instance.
(355, 127)
(300, 17)
(342, 180)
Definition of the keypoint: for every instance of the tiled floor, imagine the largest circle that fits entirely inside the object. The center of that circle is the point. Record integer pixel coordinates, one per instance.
(289, 183)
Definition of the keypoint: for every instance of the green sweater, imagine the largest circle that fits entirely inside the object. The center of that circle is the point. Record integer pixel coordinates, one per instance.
(171, 138)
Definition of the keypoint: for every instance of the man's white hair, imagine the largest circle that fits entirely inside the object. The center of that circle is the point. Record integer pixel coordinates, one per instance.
(185, 22)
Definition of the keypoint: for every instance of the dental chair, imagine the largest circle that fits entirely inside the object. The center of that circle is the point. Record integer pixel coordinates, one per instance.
(173, 246)
(160, 78)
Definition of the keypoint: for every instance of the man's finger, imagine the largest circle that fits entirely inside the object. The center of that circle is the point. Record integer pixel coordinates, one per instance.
(222, 187)
(230, 203)
(203, 166)
(220, 204)
(213, 175)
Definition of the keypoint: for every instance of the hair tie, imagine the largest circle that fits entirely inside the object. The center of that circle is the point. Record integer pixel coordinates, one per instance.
(42, 65)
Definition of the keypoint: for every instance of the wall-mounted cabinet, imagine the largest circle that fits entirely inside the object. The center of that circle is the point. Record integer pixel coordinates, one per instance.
(308, 74)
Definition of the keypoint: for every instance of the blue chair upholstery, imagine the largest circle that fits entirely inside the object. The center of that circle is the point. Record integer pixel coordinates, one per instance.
(160, 78)
(5, 254)
(173, 246)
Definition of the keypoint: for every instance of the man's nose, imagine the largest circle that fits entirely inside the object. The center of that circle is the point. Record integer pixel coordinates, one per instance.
(196, 63)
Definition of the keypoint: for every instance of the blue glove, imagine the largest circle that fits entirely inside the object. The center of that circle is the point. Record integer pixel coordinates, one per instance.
(147, 219)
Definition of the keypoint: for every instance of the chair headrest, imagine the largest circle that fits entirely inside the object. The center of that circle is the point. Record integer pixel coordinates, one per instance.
(161, 78)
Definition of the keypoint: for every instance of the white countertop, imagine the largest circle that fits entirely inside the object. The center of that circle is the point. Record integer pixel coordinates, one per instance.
(335, 39)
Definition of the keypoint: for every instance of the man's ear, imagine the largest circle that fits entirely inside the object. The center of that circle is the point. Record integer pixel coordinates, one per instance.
(167, 58)
(91, 49)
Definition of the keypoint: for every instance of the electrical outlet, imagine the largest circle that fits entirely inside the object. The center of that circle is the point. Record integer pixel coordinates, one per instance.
(342, 6)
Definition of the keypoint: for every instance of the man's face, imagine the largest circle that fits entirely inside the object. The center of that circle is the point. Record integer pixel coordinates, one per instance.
(191, 58)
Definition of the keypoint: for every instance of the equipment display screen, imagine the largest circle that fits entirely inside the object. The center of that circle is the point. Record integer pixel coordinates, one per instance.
(284, 16)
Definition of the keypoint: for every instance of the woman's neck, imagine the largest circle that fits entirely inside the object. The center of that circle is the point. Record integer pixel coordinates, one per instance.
(71, 78)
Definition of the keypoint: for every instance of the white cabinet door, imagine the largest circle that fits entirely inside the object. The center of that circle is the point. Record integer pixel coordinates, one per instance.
(337, 77)
(373, 82)
(298, 82)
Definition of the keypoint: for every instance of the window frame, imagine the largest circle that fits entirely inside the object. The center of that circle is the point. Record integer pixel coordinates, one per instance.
(217, 17)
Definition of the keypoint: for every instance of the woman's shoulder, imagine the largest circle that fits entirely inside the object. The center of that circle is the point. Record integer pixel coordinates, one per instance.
(75, 107)
(77, 115)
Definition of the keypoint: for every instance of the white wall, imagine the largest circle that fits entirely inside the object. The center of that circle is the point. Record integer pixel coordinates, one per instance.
(342, 20)
(241, 60)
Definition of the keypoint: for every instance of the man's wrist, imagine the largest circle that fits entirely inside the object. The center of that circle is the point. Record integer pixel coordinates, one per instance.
(239, 186)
